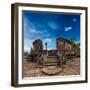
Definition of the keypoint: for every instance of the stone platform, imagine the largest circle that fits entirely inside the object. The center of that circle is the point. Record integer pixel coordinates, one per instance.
(51, 70)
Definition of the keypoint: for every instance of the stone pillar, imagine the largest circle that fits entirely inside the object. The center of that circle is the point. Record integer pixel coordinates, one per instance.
(60, 58)
(46, 46)
(46, 50)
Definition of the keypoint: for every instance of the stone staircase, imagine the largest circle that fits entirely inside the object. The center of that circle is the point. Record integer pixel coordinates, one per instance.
(51, 60)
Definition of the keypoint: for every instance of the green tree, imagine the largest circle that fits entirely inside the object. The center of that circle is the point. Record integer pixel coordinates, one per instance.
(26, 54)
(76, 47)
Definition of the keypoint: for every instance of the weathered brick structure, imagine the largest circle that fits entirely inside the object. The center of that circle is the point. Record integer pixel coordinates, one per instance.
(51, 57)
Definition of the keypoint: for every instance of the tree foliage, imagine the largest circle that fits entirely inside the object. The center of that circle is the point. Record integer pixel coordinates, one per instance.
(76, 47)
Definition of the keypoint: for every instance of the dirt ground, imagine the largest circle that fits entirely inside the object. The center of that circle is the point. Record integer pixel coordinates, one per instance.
(72, 67)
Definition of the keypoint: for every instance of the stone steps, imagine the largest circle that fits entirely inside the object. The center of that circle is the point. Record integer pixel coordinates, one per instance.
(53, 56)
(51, 61)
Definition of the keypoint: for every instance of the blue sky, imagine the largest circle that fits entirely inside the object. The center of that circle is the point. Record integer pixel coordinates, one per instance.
(48, 27)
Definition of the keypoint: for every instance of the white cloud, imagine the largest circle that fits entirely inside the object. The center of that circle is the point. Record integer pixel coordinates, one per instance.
(26, 48)
(74, 19)
(77, 42)
(68, 28)
(27, 44)
(53, 25)
(47, 40)
(29, 26)
(50, 43)
(32, 30)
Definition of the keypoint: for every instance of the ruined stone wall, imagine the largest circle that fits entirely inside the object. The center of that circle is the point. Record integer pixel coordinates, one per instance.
(63, 44)
(37, 46)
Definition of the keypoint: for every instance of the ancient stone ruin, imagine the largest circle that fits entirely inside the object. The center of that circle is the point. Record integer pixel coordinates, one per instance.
(57, 57)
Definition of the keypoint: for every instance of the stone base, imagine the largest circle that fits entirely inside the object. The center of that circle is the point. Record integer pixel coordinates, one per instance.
(51, 70)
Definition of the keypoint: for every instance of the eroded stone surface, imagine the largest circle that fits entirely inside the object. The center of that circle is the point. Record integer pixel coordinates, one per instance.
(71, 68)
